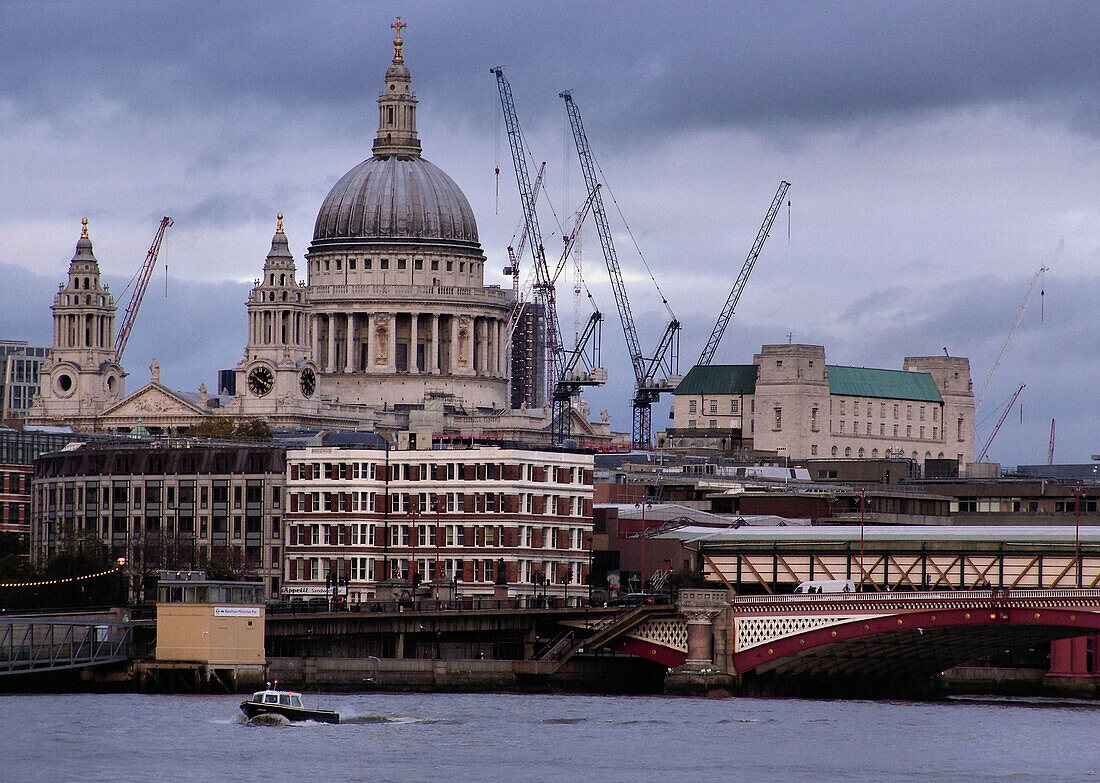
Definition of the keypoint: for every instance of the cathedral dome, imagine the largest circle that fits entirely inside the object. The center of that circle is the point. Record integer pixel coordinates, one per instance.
(395, 197)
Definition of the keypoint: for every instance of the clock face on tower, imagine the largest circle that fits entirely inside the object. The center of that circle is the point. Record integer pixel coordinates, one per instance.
(261, 381)
(308, 382)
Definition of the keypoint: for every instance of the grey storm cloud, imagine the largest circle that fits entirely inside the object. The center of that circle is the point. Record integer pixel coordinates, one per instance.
(646, 65)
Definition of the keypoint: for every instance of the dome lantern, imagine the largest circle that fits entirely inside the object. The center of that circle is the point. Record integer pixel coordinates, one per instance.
(397, 107)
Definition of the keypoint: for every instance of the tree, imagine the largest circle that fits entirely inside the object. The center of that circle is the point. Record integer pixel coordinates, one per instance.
(212, 428)
(253, 429)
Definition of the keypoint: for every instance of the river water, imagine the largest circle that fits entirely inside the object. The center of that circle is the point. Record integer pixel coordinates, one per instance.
(496, 737)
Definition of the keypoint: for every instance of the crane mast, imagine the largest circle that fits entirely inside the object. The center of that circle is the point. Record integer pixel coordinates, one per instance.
(1000, 421)
(544, 287)
(562, 374)
(1012, 330)
(746, 269)
(144, 274)
(667, 353)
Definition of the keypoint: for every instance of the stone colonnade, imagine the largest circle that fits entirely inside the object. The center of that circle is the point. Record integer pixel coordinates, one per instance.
(412, 342)
(277, 327)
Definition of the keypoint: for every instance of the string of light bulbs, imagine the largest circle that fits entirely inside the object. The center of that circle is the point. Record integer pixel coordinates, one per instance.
(66, 580)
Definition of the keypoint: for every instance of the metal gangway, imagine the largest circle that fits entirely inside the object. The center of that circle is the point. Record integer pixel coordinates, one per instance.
(30, 645)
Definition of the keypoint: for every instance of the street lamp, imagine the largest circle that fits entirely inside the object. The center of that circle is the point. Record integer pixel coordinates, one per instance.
(124, 591)
(1077, 530)
(176, 535)
(437, 576)
(862, 505)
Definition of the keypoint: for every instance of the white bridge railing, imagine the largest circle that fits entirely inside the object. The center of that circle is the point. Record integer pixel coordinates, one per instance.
(918, 597)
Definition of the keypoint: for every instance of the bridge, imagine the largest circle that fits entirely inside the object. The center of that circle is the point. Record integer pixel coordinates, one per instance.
(30, 645)
(872, 638)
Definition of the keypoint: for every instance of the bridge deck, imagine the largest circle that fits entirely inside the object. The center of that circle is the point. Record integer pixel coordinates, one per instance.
(38, 645)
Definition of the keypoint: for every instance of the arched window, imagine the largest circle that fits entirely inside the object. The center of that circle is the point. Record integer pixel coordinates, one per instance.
(940, 455)
(273, 278)
(874, 453)
(847, 451)
(860, 452)
(834, 451)
(282, 279)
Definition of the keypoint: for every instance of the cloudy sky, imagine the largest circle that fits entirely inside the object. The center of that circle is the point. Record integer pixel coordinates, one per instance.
(939, 154)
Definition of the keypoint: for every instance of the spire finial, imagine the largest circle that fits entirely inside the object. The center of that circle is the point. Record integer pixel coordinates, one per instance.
(397, 41)
(279, 226)
(84, 228)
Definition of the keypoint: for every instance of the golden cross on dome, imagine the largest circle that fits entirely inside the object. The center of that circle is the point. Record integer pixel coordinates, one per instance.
(398, 26)
(279, 226)
(84, 227)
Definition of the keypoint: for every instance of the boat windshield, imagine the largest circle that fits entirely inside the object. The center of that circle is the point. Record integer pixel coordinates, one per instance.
(295, 700)
(271, 698)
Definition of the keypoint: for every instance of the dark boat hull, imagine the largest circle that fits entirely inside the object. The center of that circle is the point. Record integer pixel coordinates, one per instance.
(251, 709)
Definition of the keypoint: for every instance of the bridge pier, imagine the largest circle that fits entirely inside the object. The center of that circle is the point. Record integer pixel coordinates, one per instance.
(703, 672)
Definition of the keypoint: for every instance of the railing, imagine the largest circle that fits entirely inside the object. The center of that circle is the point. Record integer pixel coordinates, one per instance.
(406, 291)
(470, 603)
(557, 647)
(916, 596)
(29, 646)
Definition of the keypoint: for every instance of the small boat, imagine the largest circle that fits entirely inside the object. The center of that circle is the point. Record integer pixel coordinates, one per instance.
(288, 704)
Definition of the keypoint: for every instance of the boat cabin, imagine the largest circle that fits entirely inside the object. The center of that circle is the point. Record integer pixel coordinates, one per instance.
(282, 698)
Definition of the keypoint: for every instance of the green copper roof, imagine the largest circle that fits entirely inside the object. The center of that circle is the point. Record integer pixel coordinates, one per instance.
(719, 379)
(890, 384)
(846, 381)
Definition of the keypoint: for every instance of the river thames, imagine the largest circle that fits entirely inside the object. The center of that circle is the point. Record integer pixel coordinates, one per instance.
(499, 737)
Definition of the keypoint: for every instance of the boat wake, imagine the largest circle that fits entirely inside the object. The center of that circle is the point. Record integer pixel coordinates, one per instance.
(366, 720)
(268, 719)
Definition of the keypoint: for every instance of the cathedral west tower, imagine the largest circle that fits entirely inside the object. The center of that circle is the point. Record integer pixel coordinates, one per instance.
(277, 379)
(398, 310)
(82, 376)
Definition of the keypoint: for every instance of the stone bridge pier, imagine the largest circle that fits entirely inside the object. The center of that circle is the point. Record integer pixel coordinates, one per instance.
(703, 672)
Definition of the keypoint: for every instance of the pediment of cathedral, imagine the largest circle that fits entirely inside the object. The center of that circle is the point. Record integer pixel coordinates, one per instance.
(154, 400)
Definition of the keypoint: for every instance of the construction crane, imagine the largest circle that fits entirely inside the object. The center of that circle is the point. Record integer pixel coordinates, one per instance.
(570, 239)
(543, 288)
(586, 354)
(142, 278)
(1000, 421)
(515, 254)
(746, 269)
(1012, 330)
(648, 386)
(1050, 449)
(561, 366)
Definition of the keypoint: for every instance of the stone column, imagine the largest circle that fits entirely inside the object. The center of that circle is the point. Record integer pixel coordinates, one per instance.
(414, 337)
(315, 340)
(498, 346)
(480, 363)
(330, 360)
(433, 363)
(349, 359)
(454, 345)
(392, 366)
(491, 339)
(699, 608)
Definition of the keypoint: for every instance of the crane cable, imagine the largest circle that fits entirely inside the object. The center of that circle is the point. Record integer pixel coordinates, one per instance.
(645, 263)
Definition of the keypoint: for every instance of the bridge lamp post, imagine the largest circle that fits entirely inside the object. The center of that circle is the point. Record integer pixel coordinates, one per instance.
(437, 576)
(1077, 530)
(124, 590)
(862, 505)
